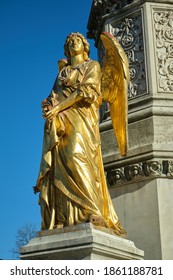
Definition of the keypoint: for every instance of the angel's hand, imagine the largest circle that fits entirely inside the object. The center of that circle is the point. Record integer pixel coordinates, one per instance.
(46, 106)
(45, 103)
(51, 114)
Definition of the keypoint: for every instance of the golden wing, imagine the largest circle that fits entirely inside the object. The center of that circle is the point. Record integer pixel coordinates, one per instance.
(114, 87)
(61, 64)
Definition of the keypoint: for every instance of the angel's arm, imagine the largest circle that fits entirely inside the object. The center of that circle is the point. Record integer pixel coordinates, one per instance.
(65, 104)
(88, 91)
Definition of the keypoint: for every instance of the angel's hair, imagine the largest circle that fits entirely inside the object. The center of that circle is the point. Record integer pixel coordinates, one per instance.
(85, 43)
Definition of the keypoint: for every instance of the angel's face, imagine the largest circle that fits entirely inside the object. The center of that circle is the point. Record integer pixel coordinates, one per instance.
(75, 45)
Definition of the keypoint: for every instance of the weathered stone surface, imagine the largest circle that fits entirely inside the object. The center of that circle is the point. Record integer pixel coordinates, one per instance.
(145, 209)
(83, 241)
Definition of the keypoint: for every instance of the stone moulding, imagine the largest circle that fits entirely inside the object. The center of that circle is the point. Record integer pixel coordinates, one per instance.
(140, 171)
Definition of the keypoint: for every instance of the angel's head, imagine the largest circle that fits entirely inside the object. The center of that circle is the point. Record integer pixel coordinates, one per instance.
(76, 44)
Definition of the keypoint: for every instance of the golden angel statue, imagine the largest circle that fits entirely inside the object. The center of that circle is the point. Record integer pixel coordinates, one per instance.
(71, 179)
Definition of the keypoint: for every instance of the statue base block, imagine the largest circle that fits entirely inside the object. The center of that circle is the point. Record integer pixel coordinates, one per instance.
(80, 242)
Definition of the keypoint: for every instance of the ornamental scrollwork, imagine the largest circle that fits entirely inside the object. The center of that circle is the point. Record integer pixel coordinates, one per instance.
(163, 26)
(170, 168)
(140, 171)
(129, 34)
(100, 8)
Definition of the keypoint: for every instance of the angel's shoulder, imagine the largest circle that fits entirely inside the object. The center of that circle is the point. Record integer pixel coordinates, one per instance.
(94, 64)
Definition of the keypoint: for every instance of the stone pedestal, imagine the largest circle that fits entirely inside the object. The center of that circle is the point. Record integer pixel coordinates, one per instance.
(80, 242)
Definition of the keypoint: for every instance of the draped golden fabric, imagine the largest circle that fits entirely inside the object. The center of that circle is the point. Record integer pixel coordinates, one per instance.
(71, 179)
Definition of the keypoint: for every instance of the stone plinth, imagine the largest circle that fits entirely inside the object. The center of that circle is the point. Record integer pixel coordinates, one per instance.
(80, 242)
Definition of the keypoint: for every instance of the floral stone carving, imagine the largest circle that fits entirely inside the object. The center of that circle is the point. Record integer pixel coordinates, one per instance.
(163, 29)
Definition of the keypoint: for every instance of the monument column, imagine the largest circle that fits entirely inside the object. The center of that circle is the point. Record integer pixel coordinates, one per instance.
(141, 183)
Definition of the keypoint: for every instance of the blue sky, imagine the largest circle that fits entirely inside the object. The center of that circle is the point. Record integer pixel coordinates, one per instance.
(31, 41)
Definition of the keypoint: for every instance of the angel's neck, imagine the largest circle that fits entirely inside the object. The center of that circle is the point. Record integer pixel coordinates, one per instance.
(77, 59)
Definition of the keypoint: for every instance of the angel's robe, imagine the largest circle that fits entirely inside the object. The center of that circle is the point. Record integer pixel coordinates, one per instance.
(71, 179)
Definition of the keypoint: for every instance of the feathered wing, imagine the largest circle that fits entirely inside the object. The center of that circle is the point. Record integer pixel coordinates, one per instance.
(114, 87)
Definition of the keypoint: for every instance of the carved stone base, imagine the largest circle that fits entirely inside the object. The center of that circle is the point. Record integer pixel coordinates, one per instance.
(80, 242)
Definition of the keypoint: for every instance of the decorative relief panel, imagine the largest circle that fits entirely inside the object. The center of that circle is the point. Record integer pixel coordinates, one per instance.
(140, 171)
(101, 8)
(163, 30)
(129, 34)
